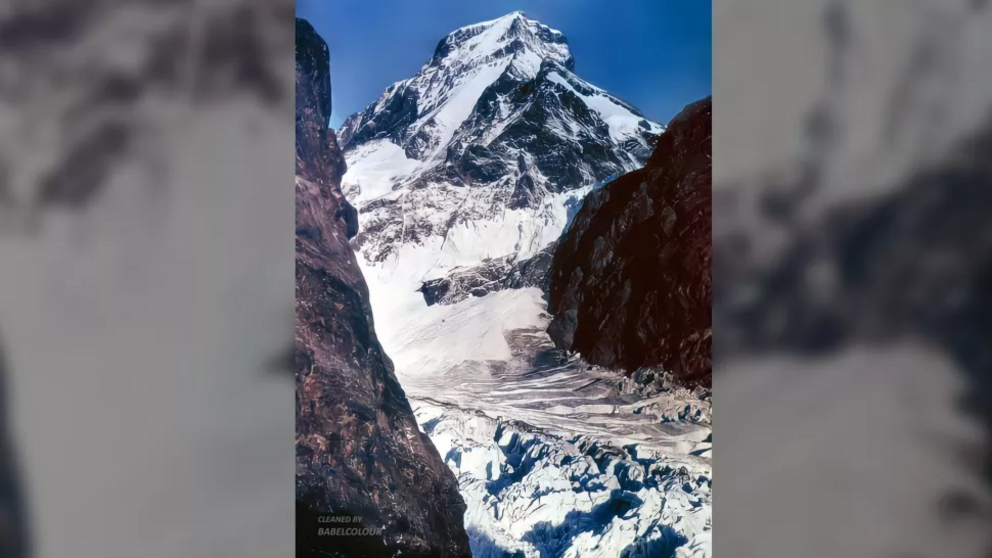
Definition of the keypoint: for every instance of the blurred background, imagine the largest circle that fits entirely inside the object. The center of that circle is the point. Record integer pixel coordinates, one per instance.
(146, 289)
(852, 347)
(146, 278)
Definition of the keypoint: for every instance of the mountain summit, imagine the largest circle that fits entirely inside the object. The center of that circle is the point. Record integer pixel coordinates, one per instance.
(506, 36)
(499, 110)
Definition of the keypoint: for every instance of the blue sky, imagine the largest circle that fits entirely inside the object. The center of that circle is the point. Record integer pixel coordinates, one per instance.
(654, 54)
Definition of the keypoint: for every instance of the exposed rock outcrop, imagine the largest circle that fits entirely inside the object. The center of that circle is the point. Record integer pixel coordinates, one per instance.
(631, 282)
(360, 457)
(493, 275)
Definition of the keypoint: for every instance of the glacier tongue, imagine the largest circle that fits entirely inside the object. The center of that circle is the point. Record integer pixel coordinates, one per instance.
(553, 459)
(484, 155)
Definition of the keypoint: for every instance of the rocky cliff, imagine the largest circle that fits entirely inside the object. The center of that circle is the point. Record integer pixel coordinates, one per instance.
(361, 459)
(630, 282)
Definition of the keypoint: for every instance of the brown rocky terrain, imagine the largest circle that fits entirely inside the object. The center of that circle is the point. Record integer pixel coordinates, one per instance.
(360, 456)
(631, 283)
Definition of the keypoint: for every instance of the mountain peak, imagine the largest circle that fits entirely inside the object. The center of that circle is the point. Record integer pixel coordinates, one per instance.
(512, 35)
(513, 15)
(506, 19)
(496, 121)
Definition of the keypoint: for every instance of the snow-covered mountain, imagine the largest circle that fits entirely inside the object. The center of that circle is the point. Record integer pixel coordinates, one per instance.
(481, 147)
(464, 176)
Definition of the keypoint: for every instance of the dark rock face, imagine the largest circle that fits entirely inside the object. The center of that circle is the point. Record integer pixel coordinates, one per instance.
(13, 531)
(630, 282)
(562, 160)
(495, 275)
(359, 452)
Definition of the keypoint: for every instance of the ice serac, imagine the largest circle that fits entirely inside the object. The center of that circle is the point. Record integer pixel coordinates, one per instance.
(478, 150)
(631, 285)
(359, 453)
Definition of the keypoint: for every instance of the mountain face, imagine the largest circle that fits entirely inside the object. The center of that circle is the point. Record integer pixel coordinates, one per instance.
(359, 453)
(496, 126)
(631, 284)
